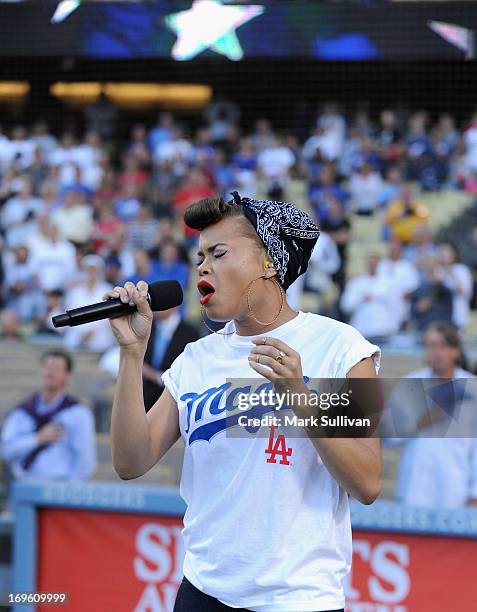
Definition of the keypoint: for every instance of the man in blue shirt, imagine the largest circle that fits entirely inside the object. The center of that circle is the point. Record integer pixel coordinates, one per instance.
(51, 434)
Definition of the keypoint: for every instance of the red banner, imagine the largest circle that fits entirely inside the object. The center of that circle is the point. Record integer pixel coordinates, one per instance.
(405, 573)
(109, 561)
(133, 563)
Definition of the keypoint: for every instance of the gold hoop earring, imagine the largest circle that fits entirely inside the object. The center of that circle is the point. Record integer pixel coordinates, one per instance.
(202, 311)
(282, 301)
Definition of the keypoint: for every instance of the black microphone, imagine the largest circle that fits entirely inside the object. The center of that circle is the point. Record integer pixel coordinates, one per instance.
(162, 295)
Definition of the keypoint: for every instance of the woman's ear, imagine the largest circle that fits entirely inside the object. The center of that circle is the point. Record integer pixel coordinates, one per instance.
(269, 269)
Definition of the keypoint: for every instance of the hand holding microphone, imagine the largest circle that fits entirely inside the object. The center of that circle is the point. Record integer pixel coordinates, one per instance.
(129, 310)
(132, 330)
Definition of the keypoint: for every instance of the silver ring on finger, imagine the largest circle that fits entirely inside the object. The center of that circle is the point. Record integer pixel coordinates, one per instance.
(280, 357)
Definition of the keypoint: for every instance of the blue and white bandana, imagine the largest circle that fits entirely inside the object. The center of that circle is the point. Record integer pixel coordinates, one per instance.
(288, 233)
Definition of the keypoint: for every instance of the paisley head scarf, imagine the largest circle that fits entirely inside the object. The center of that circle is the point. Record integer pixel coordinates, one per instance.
(287, 232)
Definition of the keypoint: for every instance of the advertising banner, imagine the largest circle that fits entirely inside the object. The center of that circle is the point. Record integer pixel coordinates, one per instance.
(133, 562)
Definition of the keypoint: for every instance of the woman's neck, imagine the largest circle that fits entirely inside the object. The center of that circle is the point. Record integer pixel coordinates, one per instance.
(249, 327)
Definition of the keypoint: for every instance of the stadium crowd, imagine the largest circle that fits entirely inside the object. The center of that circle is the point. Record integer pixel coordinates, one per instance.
(79, 215)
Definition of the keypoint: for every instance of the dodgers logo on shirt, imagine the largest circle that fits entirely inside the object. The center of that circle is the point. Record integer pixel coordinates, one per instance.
(214, 410)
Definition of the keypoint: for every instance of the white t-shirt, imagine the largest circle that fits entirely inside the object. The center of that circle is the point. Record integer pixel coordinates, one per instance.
(378, 315)
(265, 536)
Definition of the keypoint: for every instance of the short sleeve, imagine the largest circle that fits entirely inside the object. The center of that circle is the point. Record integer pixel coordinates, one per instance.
(356, 348)
(171, 377)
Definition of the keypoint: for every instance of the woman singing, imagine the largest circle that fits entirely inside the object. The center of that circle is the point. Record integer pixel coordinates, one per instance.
(264, 531)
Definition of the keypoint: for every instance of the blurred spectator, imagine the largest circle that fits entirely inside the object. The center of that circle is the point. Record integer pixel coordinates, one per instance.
(417, 144)
(162, 130)
(143, 232)
(64, 157)
(91, 160)
(108, 190)
(421, 246)
(164, 183)
(274, 164)
(118, 257)
(101, 116)
(170, 265)
(365, 187)
(458, 278)
(223, 174)
(336, 223)
(51, 434)
(404, 214)
(53, 307)
(351, 155)
(17, 217)
(221, 114)
(263, 136)
(333, 130)
(194, 186)
(144, 268)
(169, 336)
(178, 150)
(370, 302)
(244, 163)
(42, 137)
(403, 275)
(435, 470)
(49, 197)
(129, 203)
(432, 300)
(74, 219)
(95, 336)
(22, 293)
(38, 171)
(133, 175)
(10, 325)
(470, 139)
(20, 149)
(328, 185)
(388, 136)
(391, 188)
(138, 148)
(52, 260)
(105, 226)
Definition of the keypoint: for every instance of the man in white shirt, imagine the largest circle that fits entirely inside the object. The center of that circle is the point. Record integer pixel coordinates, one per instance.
(365, 187)
(51, 434)
(75, 219)
(274, 163)
(52, 260)
(403, 275)
(370, 302)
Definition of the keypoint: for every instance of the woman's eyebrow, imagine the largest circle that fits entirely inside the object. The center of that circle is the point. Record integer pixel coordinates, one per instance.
(211, 248)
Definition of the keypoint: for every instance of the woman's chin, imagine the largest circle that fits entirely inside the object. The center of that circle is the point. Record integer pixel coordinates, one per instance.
(217, 314)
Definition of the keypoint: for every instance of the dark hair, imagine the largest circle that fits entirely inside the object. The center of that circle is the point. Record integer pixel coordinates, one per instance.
(451, 338)
(58, 352)
(208, 211)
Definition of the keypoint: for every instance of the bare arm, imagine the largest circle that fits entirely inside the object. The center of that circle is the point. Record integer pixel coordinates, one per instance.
(138, 440)
(354, 462)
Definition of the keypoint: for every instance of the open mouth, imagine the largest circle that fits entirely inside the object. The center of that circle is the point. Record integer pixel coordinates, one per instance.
(206, 291)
